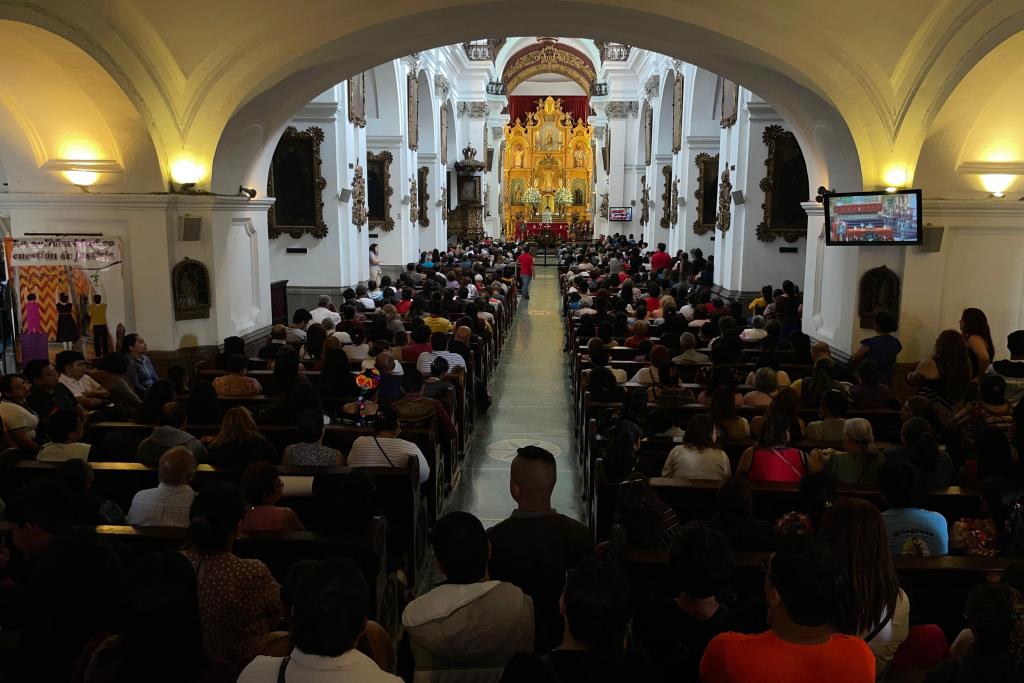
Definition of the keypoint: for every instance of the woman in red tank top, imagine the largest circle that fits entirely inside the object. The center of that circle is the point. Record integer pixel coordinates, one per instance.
(772, 459)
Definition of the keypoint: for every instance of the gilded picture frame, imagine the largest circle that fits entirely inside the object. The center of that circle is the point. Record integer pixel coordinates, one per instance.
(707, 186)
(297, 183)
(785, 186)
(666, 198)
(379, 190)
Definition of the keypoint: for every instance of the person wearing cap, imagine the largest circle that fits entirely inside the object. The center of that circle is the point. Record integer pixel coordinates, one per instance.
(537, 545)
(1012, 368)
(860, 462)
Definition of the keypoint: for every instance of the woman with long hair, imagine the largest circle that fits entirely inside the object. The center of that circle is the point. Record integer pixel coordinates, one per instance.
(978, 338)
(875, 609)
(315, 337)
(772, 458)
(239, 442)
(944, 377)
(921, 449)
(822, 379)
(239, 600)
(723, 412)
(697, 457)
(785, 402)
(285, 374)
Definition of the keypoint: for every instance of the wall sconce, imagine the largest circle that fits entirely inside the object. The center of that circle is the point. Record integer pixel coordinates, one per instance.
(82, 173)
(997, 183)
(895, 177)
(995, 176)
(186, 171)
(248, 191)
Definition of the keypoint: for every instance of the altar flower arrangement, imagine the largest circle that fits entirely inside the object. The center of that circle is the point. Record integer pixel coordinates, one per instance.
(532, 196)
(563, 197)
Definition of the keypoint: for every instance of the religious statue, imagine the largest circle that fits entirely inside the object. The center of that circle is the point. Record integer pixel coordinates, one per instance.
(549, 179)
(604, 205)
(577, 197)
(645, 201)
(579, 157)
(517, 156)
(550, 141)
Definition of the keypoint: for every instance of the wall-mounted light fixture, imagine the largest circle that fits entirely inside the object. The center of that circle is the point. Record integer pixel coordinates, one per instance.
(82, 173)
(186, 171)
(248, 191)
(995, 176)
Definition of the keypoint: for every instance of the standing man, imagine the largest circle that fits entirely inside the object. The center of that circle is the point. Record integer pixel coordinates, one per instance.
(525, 263)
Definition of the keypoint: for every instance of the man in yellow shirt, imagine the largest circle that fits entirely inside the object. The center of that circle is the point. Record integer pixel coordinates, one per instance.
(100, 336)
(435, 321)
(758, 305)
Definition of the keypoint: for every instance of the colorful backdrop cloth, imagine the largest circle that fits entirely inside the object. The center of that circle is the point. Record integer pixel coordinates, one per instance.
(520, 105)
(79, 268)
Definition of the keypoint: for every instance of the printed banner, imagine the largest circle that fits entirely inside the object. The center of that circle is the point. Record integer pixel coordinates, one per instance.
(86, 253)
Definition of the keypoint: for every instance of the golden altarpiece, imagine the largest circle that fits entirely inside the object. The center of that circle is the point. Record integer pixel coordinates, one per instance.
(551, 152)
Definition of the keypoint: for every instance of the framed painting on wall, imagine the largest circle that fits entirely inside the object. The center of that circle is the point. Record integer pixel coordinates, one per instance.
(296, 182)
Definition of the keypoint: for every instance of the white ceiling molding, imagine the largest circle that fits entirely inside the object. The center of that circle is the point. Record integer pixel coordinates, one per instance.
(991, 167)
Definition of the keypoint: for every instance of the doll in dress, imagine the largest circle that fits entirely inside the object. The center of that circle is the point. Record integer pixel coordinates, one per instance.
(33, 323)
(67, 327)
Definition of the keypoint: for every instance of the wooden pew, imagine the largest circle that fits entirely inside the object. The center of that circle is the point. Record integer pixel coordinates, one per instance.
(396, 493)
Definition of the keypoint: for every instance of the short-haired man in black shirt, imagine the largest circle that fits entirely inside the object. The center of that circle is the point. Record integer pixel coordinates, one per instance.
(48, 394)
(536, 545)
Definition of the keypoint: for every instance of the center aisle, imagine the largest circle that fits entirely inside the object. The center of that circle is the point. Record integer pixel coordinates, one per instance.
(532, 405)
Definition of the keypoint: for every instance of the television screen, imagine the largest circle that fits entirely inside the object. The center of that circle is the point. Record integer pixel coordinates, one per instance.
(620, 214)
(873, 218)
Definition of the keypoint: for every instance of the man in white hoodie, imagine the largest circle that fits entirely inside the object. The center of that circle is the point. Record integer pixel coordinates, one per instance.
(469, 627)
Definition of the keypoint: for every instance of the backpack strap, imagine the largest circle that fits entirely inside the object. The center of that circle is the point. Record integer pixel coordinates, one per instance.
(281, 669)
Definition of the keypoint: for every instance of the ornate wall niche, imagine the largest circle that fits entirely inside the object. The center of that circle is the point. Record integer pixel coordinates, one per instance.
(604, 205)
(707, 185)
(879, 291)
(423, 216)
(724, 218)
(190, 282)
(379, 190)
(357, 100)
(413, 90)
(785, 187)
(677, 113)
(296, 182)
(666, 198)
(358, 198)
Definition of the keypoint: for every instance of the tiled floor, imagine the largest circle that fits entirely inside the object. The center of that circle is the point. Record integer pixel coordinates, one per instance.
(532, 405)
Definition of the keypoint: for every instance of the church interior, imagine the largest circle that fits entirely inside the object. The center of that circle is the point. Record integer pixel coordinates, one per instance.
(688, 321)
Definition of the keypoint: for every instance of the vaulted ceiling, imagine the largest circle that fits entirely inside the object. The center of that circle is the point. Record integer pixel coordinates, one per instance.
(878, 73)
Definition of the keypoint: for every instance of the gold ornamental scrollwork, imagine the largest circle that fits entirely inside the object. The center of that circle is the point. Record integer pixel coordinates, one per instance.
(645, 201)
(358, 198)
(784, 161)
(383, 159)
(423, 217)
(675, 202)
(414, 200)
(666, 198)
(724, 219)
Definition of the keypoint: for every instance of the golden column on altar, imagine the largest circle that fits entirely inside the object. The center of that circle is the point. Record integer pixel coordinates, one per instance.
(550, 151)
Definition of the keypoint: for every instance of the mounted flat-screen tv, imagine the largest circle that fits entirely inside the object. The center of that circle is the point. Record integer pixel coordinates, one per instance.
(620, 214)
(864, 219)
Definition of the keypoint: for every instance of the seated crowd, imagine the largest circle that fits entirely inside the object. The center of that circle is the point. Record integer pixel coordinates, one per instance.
(538, 597)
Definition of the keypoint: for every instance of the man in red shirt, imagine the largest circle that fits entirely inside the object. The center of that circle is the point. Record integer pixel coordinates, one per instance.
(660, 259)
(802, 585)
(525, 262)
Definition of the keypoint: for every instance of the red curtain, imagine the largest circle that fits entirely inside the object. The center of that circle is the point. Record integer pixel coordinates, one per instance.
(520, 105)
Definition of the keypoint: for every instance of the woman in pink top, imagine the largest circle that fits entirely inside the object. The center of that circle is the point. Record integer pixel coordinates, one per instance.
(772, 459)
(262, 488)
